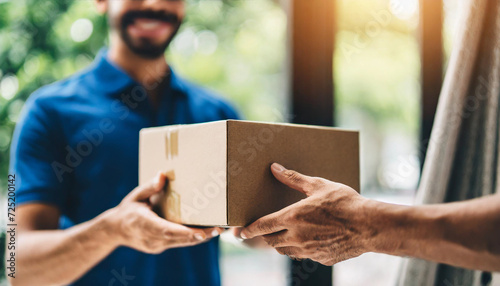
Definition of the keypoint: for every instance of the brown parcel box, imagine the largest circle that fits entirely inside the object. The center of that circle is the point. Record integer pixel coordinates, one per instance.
(222, 169)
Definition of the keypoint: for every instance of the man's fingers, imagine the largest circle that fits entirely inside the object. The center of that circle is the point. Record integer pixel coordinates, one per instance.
(143, 192)
(280, 239)
(173, 231)
(163, 234)
(209, 232)
(237, 232)
(293, 179)
(265, 225)
(182, 241)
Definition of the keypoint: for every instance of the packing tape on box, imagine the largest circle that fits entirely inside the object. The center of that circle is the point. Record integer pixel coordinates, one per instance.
(172, 143)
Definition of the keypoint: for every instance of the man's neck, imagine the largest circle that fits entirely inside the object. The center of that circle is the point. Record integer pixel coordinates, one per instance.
(149, 72)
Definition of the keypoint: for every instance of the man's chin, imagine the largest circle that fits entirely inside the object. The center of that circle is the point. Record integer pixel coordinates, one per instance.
(148, 52)
(146, 48)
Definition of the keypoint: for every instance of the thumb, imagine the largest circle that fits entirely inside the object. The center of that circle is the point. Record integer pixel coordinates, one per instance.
(294, 179)
(145, 191)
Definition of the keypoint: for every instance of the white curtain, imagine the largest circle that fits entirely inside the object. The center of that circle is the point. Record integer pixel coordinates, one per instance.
(462, 159)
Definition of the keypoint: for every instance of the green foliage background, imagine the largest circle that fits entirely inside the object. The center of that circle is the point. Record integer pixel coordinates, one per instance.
(248, 64)
(36, 48)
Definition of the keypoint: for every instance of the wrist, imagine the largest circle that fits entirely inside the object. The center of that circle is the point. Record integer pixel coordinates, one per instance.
(386, 227)
(107, 229)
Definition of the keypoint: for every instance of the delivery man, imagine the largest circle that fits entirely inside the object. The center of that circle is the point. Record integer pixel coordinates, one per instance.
(81, 219)
(335, 223)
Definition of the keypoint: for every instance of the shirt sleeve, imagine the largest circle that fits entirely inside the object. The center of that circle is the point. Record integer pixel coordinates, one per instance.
(37, 158)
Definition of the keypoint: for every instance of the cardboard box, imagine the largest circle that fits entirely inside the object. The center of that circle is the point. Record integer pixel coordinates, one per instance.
(222, 169)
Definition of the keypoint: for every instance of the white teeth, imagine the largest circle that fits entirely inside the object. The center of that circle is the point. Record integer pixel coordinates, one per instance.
(148, 25)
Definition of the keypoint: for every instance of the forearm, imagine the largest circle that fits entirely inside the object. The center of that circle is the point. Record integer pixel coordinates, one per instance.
(56, 257)
(465, 234)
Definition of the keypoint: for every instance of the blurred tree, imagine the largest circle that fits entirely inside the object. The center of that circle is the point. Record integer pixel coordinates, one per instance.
(35, 52)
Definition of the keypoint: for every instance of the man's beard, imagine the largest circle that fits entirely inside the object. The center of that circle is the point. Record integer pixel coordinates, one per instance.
(145, 47)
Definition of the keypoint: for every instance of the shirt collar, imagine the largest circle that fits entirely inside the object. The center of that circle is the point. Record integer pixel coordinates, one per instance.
(112, 79)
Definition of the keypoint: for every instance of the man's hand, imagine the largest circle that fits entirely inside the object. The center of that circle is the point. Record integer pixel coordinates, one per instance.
(136, 225)
(324, 227)
(50, 256)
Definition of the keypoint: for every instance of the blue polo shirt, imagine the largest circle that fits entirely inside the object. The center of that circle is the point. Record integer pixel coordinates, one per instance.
(76, 147)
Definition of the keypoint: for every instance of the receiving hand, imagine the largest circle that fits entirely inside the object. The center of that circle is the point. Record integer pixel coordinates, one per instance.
(325, 227)
(137, 226)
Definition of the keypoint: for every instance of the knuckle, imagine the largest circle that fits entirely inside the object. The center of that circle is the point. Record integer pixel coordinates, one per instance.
(192, 238)
(273, 242)
(142, 212)
(294, 216)
(264, 225)
(293, 176)
(168, 233)
(318, 183)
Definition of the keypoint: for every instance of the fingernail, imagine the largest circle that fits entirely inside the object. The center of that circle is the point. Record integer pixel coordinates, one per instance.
(243, 235)
(277, 167)
(199, 236)
(215, 233)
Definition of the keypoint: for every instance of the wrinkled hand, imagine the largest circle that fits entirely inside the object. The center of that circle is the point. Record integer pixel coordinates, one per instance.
(136, 225)
(326, 227)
